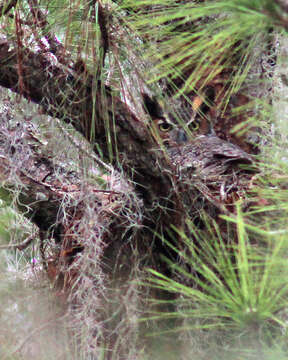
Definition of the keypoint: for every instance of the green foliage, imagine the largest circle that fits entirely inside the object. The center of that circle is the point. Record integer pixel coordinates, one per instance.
(8, 221)
(237, 284)
(182, 39)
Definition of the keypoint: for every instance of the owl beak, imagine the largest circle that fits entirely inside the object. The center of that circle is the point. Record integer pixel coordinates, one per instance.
(181, 137)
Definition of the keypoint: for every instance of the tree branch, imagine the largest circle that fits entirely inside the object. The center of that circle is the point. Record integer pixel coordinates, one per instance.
(96, 113)
(21, 246)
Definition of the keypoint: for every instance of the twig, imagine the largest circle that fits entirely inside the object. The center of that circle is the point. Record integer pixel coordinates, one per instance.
(94, 157)
(40, 22)
(42, 234)
(20, 69)
(102, 21)
(20, 246)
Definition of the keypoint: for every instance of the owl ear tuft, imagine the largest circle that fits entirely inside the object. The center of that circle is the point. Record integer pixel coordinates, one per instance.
(209, 100)
(152, 107)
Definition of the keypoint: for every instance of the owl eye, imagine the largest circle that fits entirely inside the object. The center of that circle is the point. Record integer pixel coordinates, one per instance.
(166, 143)
(164, 126)
(194, 126)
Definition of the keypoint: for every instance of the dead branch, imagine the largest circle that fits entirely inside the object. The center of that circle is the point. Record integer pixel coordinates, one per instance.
(21, 246)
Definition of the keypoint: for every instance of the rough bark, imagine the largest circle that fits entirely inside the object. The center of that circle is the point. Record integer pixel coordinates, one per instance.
(74, 98)
(69, 212)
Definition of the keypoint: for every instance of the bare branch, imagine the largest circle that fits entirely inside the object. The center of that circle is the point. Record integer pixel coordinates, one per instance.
(78, 99)
(21, 246)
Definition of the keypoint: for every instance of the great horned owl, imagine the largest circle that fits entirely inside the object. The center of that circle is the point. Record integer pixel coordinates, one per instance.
(192, 146)
(175, 128)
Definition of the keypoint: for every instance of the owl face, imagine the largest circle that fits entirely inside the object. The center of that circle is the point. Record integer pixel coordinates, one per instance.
(169, 130)
(167, 133)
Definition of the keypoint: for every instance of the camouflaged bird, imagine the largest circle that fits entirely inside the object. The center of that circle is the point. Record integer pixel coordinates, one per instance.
(173, 128)
(207, 156)
(202, 153)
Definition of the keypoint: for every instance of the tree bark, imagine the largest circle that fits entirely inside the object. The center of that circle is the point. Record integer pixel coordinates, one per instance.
(74, 98)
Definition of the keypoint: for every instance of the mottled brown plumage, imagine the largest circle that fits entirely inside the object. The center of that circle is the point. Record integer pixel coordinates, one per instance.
(207, 156)
(170, 130)
(199, 153)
